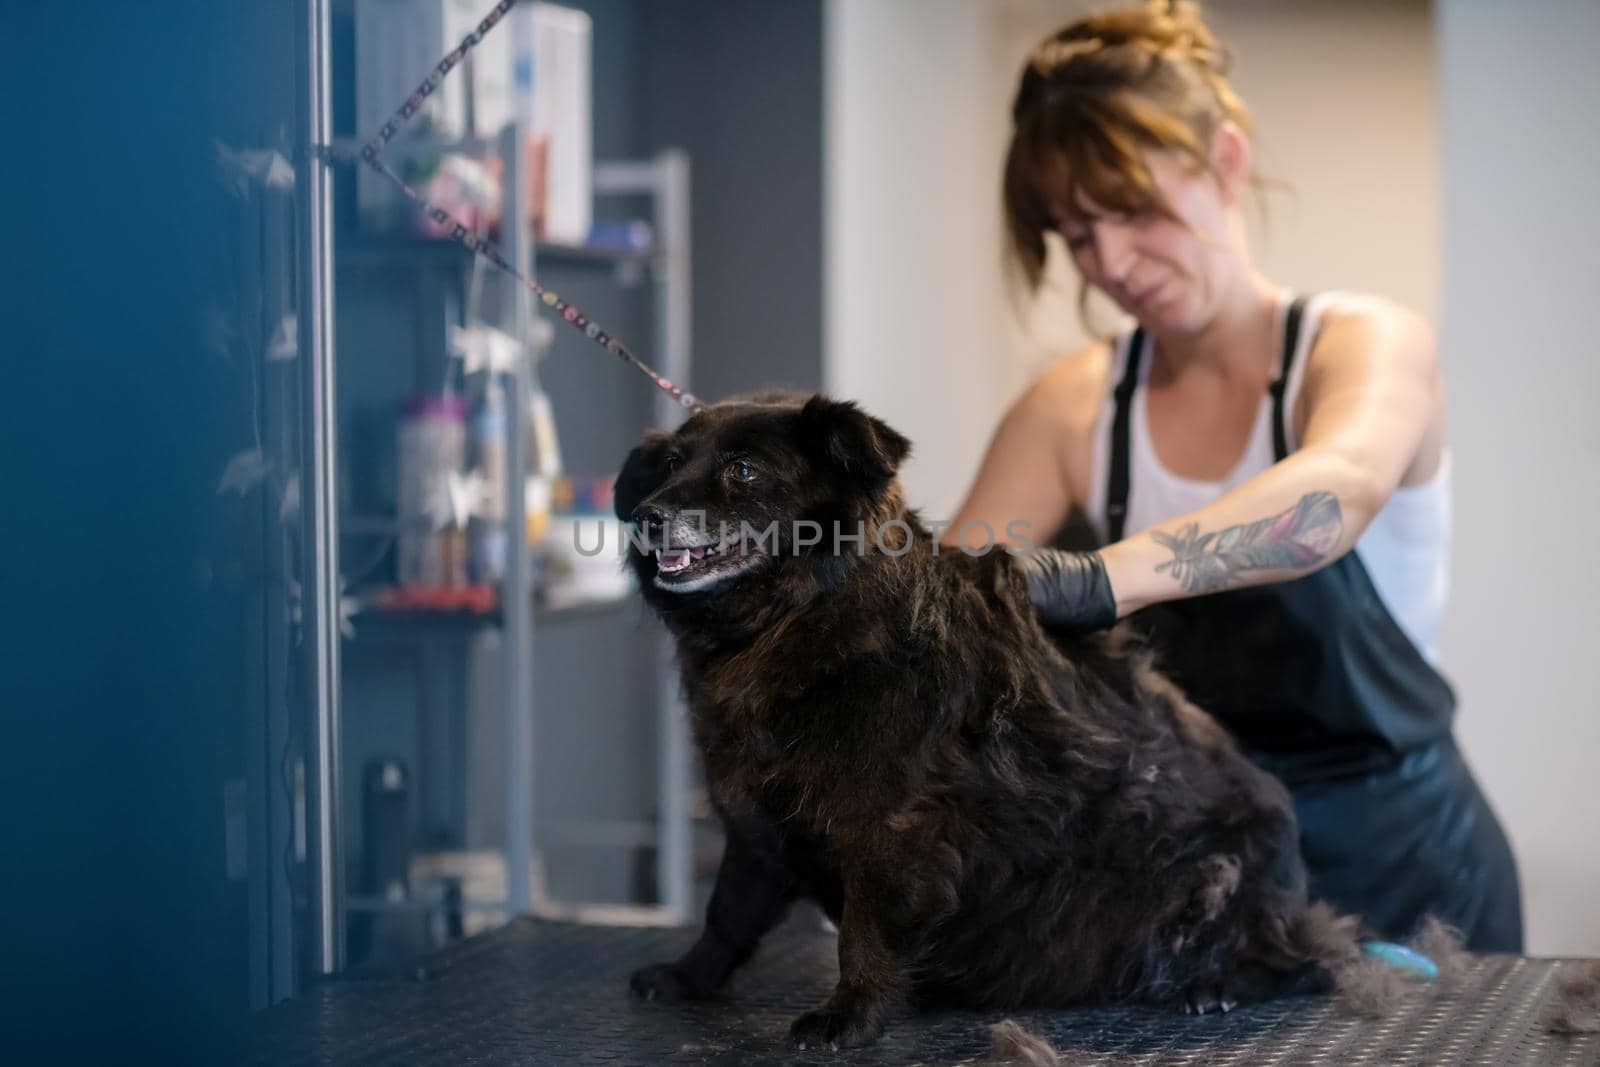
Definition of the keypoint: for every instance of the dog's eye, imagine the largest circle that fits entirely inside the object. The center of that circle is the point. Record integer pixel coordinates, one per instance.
(672, 462)
(742, 471)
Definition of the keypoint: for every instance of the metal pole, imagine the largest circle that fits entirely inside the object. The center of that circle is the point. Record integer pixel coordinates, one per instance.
(319, 606)
(674, 872)
(516, 603)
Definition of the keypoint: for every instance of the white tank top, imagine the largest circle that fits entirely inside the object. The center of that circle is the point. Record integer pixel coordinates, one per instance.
(1405, 549)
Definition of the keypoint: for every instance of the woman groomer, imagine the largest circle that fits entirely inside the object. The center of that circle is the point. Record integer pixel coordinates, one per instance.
(1267, 472)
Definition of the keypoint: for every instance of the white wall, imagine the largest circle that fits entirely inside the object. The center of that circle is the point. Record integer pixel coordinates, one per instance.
(1521, 333)
(1346, 96)
(915, 323)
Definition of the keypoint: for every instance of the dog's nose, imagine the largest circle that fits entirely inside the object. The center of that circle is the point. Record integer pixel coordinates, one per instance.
(649, 517)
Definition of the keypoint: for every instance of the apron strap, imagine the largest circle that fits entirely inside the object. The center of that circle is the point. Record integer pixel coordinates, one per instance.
(1117, 479)
(1291, 343)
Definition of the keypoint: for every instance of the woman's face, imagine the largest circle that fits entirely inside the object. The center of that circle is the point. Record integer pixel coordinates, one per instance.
(1165, 273)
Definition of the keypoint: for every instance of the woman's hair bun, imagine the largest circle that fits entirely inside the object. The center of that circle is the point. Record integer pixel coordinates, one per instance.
(1121, 46)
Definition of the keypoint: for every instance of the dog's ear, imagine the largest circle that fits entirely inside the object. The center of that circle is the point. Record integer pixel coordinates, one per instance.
(642, 472)
(862, 446)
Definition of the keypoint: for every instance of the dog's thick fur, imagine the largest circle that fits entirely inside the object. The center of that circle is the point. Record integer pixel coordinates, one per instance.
(994, 814)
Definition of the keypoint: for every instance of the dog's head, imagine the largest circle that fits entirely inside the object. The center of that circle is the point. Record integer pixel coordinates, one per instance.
(728, 500)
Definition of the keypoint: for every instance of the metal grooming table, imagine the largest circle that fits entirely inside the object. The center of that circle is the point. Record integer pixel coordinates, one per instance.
(536, 992)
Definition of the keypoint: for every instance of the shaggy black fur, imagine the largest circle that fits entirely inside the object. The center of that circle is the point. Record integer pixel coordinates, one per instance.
(995, 815)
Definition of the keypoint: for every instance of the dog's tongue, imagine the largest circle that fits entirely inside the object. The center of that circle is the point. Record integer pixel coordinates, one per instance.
(671, 560)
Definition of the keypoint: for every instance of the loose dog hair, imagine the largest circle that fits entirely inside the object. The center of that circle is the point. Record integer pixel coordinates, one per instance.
(996, 814)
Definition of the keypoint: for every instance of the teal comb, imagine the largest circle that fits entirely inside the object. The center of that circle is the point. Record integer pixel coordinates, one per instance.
(1399, 956)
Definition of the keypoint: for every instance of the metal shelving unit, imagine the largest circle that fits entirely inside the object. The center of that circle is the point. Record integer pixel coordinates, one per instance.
(664, 183)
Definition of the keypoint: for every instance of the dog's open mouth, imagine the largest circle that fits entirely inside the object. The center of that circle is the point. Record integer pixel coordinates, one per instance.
(691, 567)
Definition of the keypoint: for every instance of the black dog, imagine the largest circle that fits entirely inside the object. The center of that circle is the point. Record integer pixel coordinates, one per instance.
(995, 815)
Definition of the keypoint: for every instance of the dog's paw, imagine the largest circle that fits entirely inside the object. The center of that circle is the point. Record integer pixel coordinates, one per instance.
(667, 982)
(830, 1028)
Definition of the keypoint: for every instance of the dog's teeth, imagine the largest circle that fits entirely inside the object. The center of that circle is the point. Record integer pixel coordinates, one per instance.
(670, 560)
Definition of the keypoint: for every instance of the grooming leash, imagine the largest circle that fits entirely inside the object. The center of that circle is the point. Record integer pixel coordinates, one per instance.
(371, 154)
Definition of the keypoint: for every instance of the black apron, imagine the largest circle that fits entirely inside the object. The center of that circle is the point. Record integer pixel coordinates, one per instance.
(1321, 687)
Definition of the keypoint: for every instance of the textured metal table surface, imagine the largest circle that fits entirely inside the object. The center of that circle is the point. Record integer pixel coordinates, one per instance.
(536, 992)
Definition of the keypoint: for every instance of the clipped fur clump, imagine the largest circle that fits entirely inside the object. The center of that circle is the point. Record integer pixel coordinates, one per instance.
(1322, 933)
(1441, 943)
(1010, 1043)
(1576, 1008)
(1370, 987)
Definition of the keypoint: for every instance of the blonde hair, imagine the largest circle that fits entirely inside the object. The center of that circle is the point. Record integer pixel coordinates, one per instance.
(1093, 97)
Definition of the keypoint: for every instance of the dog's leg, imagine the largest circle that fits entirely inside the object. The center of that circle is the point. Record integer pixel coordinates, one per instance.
(754, 888)
(878, 934)
(868, 985)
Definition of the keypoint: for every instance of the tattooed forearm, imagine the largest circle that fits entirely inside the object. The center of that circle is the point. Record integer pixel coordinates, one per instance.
(1296, 539)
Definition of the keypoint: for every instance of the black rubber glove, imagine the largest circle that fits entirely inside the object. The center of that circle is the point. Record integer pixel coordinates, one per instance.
(1070, 589)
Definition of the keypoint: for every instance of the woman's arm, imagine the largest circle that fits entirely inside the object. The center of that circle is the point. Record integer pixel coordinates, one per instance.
(1371, 395)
